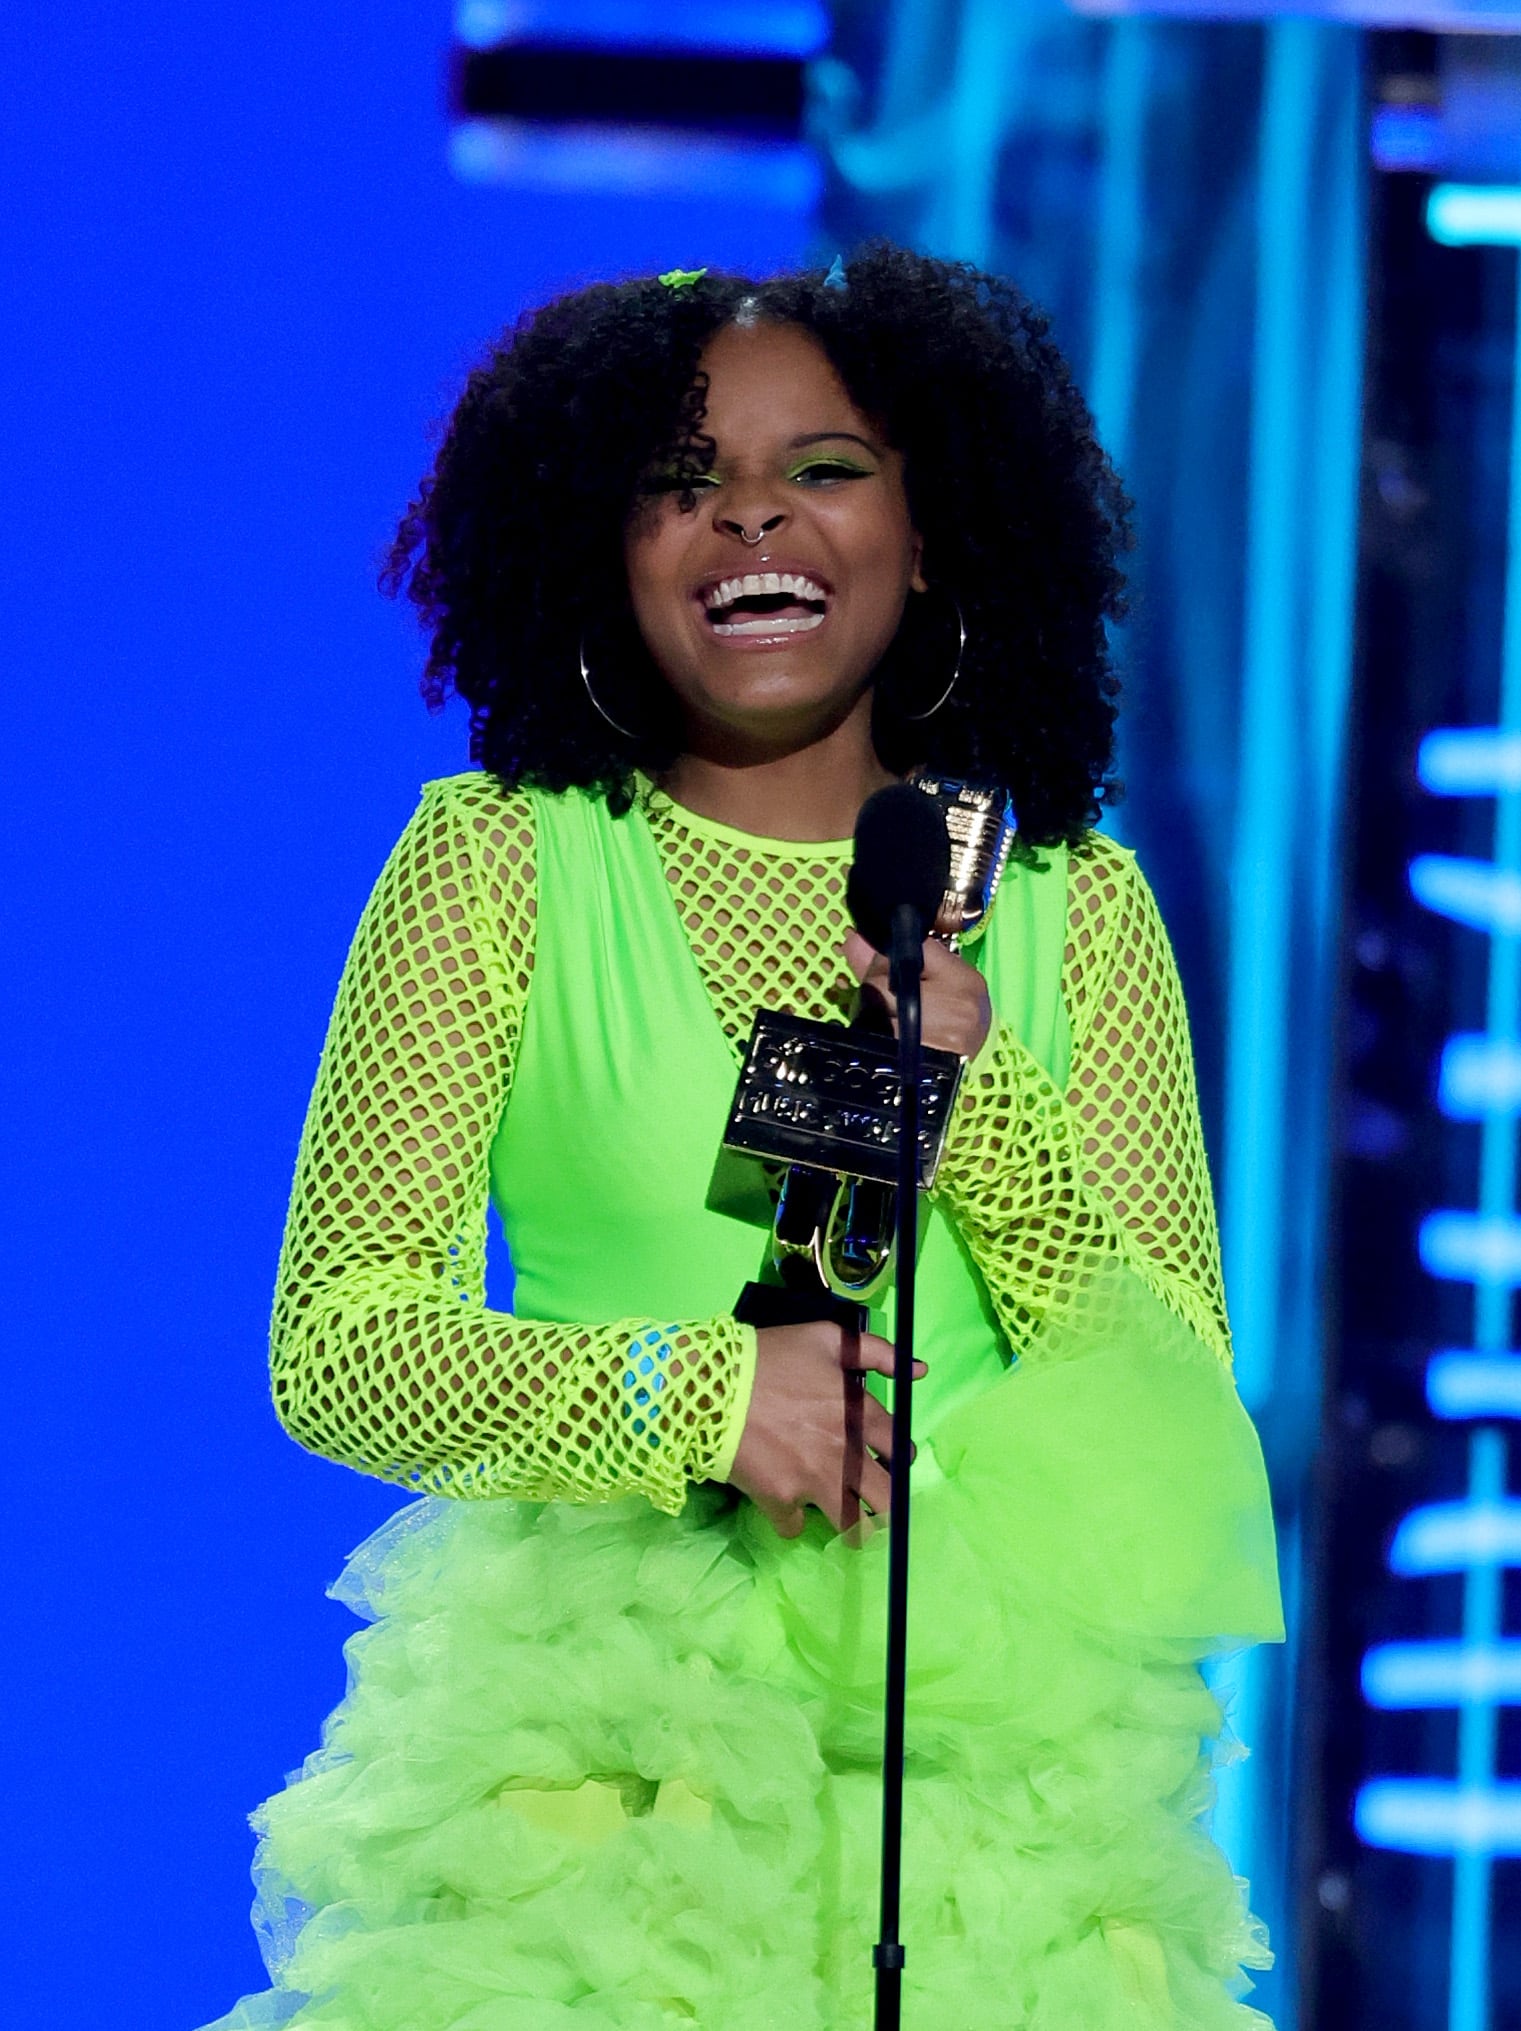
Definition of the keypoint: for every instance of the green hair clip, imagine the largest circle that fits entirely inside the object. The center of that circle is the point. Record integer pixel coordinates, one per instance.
(681, 278)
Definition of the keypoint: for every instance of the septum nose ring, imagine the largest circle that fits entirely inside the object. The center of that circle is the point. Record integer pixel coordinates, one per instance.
(746, 537)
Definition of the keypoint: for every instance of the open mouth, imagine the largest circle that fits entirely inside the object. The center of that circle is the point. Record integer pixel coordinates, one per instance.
(765, 603)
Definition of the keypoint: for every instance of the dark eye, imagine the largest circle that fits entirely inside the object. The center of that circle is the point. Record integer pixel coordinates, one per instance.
(822, 470)
(677, 483)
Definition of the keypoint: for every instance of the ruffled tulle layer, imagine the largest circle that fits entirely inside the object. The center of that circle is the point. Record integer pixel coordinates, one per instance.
(611, 1771)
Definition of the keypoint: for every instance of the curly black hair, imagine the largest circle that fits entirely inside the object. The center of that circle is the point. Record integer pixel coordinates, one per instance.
(1022, 517)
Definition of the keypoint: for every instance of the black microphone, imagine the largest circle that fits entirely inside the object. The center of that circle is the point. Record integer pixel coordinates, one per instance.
(901, 872)
(899, 878)
(896, 889)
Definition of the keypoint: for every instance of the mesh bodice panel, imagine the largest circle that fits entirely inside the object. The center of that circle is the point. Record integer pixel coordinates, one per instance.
(384, 1353)
(766, 926)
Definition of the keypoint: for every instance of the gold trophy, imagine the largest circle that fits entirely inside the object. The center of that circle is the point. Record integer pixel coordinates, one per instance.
(823, 1099)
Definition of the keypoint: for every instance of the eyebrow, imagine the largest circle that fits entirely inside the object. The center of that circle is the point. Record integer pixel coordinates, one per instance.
(830, 436)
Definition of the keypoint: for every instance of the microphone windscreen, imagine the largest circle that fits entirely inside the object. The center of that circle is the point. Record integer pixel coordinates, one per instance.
(903, 855)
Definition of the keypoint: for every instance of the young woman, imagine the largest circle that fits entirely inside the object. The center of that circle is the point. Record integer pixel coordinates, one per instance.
(701, 554)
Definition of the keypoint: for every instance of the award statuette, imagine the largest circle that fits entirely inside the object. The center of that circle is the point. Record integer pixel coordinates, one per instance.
(824, 1100)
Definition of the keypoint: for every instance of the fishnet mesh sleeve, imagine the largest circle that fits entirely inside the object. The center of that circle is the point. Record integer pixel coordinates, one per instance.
(384, 1354)
(1042, 1184)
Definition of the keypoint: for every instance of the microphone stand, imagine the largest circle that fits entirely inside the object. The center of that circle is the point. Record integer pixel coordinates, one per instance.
(907, 966)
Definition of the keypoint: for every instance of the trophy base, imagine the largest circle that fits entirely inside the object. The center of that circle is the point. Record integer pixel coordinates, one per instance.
(774, 1304)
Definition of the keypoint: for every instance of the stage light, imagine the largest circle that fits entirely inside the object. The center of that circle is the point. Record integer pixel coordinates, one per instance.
(1480, 1077)
(1452, 1537)
(1406, 137)
(1469, 761)
(777, 28)
(638, 165)
(1463, 1385)
(1431, 1816)
(1441, 1674)
(1472, 892)
(1474, 215)
(1464, 17)
(1482, 1248)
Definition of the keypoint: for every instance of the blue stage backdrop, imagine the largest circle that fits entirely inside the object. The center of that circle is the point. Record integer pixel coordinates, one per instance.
(241, 282)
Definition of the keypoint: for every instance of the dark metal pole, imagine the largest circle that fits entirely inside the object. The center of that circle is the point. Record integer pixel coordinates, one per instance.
(888, 1954)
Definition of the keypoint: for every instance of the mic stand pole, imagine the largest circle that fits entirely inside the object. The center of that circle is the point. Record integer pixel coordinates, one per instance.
(907, 965)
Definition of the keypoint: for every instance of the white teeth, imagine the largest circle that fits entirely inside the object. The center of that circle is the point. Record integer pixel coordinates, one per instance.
(759, 582)
(769, 624)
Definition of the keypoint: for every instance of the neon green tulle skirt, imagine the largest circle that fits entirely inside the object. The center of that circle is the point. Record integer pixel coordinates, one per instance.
(607, 1770)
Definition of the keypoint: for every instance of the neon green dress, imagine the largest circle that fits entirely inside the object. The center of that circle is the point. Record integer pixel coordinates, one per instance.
(609, 1755)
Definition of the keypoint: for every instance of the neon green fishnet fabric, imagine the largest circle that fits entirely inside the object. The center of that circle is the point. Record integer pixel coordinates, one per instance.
(384, 1353)
(765, 926)
(1042, 1184)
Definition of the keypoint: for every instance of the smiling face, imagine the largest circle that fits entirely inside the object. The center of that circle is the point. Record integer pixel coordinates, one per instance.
(769, 644)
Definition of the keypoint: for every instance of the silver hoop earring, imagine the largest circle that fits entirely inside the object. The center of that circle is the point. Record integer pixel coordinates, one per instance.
(956, 673)
(597, 704)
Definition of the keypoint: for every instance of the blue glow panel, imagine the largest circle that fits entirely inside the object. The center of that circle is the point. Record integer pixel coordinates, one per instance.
(1472, 1247)
(1451, 1537)
(1406, 137)
(1480, 1078)
(1472, 892)
(1475, 1817)
(736, 27)
(1462, 1385)
(1474, 215)
(1498, 16)
(1432, 1816)
(1441, 1674)
(1470, 761)
(637, 162)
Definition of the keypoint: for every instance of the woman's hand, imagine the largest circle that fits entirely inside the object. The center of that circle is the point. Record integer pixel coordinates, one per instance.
(956, 1013)
(813, 1436)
